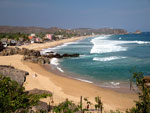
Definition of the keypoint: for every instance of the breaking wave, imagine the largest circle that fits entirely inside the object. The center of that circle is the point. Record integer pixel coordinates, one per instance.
(103, 45)
(111, 85)
(141, 42)
(60, 69)
(107, 58)
(55, 62)
(84, 80)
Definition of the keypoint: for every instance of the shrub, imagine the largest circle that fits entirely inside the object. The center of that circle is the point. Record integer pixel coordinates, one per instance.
(13, 97)
(143, 104)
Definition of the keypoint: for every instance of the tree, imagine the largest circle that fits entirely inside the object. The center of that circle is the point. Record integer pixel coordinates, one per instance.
(99, 104)
(66, 107)
(143, 104)
(13, 97)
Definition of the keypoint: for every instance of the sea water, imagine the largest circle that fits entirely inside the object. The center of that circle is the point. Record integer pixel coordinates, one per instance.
(105, 60)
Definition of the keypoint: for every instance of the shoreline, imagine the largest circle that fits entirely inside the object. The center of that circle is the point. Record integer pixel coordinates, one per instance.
(40, 46)
(63, 87)
(122, 89)
(73, 89)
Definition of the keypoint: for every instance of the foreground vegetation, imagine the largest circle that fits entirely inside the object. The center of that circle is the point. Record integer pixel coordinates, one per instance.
(13, 98)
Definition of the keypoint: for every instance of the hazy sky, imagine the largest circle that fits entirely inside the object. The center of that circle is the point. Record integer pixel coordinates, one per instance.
(126, 14)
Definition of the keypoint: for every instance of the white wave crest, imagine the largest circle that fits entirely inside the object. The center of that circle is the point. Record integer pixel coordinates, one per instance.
(111, 85)
(54, 61)
(84, 80)
(141, 42)
(107, 58)
(60, 69)
(57, 47)
(102, 45)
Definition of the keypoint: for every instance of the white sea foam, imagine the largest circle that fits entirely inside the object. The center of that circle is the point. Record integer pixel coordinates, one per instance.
(54, 61)
(107, 58)
(84, 80)
(102, 45)
(60, 69)
(111, 85)
(57, 47)
(141, 42)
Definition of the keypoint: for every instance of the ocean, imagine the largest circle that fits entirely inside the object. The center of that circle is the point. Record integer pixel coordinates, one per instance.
(105, 60)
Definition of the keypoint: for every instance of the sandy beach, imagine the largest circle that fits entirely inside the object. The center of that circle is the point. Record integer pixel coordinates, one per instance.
(63, 87)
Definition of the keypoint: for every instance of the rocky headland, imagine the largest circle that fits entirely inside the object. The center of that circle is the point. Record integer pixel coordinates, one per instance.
(34, 56)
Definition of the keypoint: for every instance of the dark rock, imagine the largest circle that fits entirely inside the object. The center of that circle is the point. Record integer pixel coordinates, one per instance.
(41, 61)
(38, 91)
(23, 51)
(1, 46)
(41, 106)
(57, 55)
(34, 59)
(147, 78)
(70, 55)
(33, 55)
(147, 81)
(14, 74)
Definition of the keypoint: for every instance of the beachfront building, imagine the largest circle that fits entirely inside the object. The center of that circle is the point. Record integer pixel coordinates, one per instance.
(32, 38)
(59, 37)
(48, 36)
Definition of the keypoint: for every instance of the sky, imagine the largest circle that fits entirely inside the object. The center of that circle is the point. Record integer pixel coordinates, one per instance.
(126, 14)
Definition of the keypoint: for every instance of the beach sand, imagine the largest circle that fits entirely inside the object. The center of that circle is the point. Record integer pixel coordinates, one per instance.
(39, 46)
(63, 87)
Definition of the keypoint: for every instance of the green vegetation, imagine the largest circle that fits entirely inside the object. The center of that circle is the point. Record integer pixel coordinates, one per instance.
(99, 104)
(65, 34)
(143, 104)
(66, 107)
(13, 97)
(14, 36)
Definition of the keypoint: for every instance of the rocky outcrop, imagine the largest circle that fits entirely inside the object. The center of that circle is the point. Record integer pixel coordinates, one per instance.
(33, 55)
(35, 59)
(16, 50)
(41, 105)
(70, 55)
(147, 81)
(14, 74)
(45, 59)
(1, 46)
(38, 91)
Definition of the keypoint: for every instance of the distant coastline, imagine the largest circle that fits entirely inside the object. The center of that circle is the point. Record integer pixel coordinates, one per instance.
(81, 31)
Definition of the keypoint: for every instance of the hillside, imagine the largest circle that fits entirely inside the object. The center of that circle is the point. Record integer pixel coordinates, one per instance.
(14, 29)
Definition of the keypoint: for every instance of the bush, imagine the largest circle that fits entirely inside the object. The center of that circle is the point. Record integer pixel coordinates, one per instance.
(66, 107)
(143, 104)
(13, 97)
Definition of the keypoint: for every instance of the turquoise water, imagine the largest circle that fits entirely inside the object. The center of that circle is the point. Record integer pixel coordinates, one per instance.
(106, 60)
